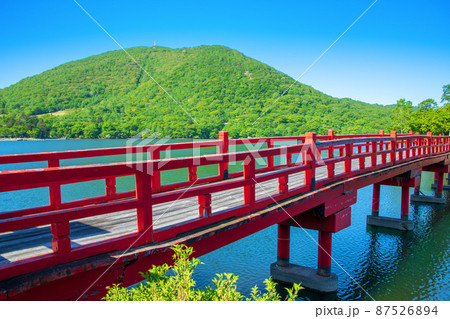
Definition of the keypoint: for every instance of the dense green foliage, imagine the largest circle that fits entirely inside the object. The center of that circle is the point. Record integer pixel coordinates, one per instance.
(109, 96)
(159, 285)
(401, 116)
(426, 117)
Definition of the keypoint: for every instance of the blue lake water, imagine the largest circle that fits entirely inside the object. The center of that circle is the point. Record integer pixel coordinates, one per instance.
(387, 264)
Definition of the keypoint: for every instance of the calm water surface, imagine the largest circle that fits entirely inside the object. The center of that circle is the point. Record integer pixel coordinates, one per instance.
(388, 264)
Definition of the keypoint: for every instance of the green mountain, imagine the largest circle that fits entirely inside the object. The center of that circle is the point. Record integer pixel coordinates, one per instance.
(109, 96)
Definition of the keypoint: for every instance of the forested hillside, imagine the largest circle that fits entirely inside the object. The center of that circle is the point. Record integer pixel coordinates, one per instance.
(109, 96)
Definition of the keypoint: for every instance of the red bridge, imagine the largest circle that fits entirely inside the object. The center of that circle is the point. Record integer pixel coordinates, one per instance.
(310, 184)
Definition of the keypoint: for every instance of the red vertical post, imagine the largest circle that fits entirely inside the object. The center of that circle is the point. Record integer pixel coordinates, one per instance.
(405, 203)
(324, 254)
(269, 158)
(373, 157)
(330, 167)
(289, 159)
(249, 176)
(435, 142)
(362, 162)
(393, 147)
(223, 149)
(309, 159)
(204, 205)
(60, 241)
(408, 148)
(283, 186)
(192, 171)
(348, 160)
(429, 143)
(417, 148)
(439, 185)
(54, 189)
(420, 148)
(417, 184)
(110, 186)
(60, 231)
(400, 153)
(145, 212)
(425, 142)
(361, 159)
(156, 174)
(283, 245)
(433, 147)
(424, 147)
(383, 156)
(376, 200)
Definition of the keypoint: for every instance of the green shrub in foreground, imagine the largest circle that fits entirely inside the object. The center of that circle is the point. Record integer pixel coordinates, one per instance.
(180, 286)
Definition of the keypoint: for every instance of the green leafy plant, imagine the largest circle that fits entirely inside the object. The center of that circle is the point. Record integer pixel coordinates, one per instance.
(175, 282)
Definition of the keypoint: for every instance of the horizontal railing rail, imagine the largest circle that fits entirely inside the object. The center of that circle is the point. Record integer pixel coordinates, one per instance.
(258, 167)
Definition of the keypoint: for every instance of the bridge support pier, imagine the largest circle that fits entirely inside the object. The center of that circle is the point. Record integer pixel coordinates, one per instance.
(283, 248)
(445, 187)
(327, 218)
(402, 223)
(320, 280)
(437, 198)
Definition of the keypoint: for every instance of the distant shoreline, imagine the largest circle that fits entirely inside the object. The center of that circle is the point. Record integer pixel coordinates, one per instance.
(15, 139)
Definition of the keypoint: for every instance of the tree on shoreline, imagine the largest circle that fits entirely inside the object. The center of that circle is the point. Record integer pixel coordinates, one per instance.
(401, 116)
(431, 118)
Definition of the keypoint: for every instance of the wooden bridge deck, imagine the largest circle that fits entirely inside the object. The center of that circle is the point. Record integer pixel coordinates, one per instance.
(31, 242)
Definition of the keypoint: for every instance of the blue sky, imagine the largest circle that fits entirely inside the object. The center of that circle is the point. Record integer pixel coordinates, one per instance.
(399, 49)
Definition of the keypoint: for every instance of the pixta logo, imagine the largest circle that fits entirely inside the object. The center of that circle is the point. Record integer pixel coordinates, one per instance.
(146, 146)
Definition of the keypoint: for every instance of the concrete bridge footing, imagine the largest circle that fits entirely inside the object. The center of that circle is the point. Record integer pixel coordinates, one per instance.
(320, 279)
(437, 198)
(306, 276)
(444, 187)
(389, 222)
(402, 223)
(427, 199)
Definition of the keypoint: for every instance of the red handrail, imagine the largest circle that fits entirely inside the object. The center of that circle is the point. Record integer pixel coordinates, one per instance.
(313, 151)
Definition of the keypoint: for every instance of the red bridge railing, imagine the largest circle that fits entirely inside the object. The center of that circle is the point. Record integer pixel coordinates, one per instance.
(326, 150)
